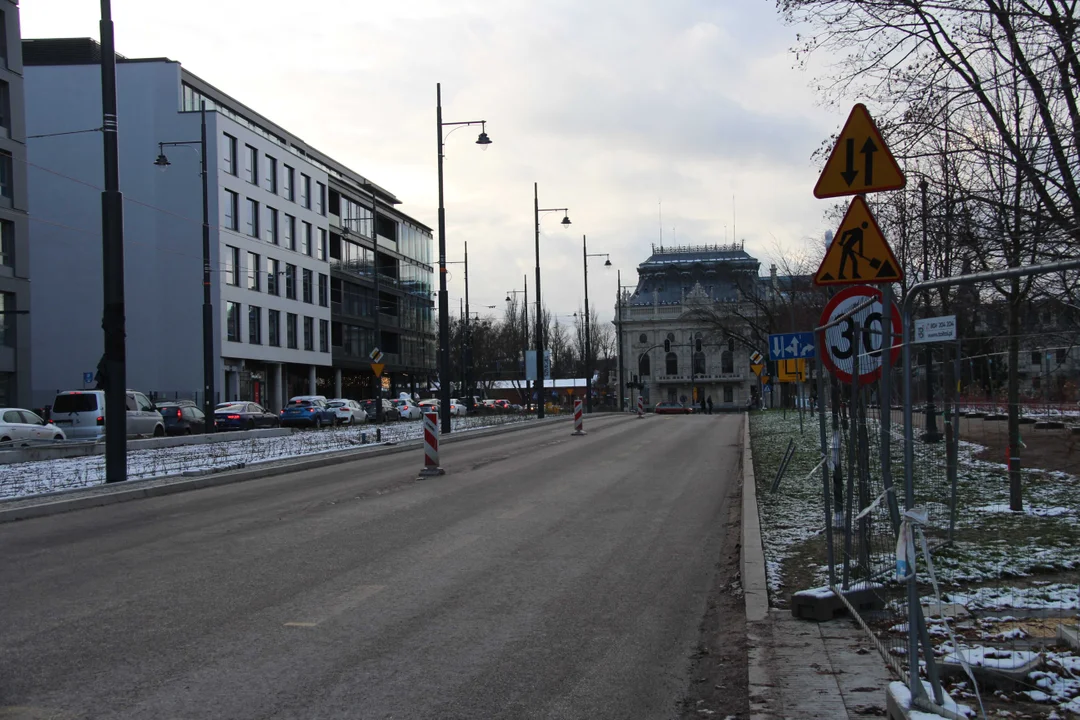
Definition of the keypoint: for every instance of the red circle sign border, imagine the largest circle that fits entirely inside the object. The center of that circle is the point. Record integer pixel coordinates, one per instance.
(898, 330)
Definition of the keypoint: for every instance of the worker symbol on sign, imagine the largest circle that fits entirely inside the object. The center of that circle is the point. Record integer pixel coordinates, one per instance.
(848, 241)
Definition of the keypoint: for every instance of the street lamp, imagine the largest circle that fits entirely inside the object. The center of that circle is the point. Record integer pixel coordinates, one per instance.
(444, 312)
(931, 435)
(588, 343)
(524, 332)
(208, 309)
(539, 307)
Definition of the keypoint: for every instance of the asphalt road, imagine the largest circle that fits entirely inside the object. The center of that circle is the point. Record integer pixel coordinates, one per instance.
(545, 576)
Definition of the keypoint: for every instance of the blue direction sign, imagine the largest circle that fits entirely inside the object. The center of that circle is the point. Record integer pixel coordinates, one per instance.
(87, 378)
(792, 346)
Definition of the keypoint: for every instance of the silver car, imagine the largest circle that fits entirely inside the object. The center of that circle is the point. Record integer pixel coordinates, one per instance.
(23, 427)
(81, 415)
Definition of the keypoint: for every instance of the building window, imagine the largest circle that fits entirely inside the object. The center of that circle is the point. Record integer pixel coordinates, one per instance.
(306, 277)
(287, 177)
(671, 361)
(643, 338)
(305, 239)
(6, 176)
(254, 271)
(7, 319)
(272, 287)
(671, 337)
(3, 51)
(729, 394)
(727, 362)
(232, 265)
(305, 191)
(5, 108)
(228, 154)
(290, 281)
(232, 321)
(273, 327)
(309, 333)
(731, 345)
(288, 231)
(699, 363)
(324, 336)
(254, 325)
(643, 366)
(251, 164)
(272, 225)
(322, 244)
(270, 178)
(232, 210)
(290, 330)
(1060, 353)
(252, 218)
(7, 243)
(320, 198)
(324, 290)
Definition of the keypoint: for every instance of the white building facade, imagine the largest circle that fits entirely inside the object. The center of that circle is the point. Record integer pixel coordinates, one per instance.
(677, 352)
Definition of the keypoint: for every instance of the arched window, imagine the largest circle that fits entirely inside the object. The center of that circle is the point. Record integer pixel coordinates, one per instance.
(731, 345)
(643, 338)
(671, 337)
(727, 361)
(643, 366)
(699, 363)
(672, 361)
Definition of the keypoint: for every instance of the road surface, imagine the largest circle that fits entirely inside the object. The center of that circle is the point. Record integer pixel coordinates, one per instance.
(545, 576)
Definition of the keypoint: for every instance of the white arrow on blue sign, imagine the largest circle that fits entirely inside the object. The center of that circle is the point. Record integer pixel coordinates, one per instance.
(792, 346)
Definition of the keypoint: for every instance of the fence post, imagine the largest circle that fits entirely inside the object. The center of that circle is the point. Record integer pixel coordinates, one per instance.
(885, 402)
(825, 455)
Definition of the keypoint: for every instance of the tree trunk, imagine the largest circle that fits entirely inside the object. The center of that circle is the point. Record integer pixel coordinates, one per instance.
(1016, 498)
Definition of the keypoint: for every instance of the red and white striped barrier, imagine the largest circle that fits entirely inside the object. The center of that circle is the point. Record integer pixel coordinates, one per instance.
(640, 407)
(431, 446)
(579, 425)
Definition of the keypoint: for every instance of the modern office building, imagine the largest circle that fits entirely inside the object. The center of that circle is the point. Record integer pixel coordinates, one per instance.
(292, 243)
(677, 353)
(15, 318)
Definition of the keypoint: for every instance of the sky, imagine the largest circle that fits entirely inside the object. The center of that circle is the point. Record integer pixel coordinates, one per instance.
(682, 121)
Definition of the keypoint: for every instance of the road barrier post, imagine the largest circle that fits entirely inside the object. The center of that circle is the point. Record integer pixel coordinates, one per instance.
(640, 407)
(431, 446)
(579, 425)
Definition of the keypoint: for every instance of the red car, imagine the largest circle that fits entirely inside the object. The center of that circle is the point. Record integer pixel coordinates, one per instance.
(672, 408)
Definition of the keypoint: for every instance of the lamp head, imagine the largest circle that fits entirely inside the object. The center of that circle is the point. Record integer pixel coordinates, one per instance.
(162, 162)
(483, 140)
(507, 297)
(607, 263)
(566, 220)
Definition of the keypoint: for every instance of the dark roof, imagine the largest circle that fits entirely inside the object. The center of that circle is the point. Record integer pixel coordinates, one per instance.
(69, 51)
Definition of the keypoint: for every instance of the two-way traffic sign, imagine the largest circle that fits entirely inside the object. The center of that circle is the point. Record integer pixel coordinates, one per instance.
(791, 346)
(860, 161)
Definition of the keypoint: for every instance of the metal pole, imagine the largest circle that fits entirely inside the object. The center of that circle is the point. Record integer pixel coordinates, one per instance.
(539, 312)
(931, 435)
(618, 332)
(379, 415)
(525, 339)
(826, 452)
(885, 403)
(208, 307)
(444, 311)
(588, 344)
(467, 337)
(112, 264)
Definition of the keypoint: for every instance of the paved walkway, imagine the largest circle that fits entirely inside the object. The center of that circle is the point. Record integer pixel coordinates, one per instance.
(798, 668)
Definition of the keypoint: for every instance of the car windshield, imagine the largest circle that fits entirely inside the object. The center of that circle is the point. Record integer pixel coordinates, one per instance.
(75, 403)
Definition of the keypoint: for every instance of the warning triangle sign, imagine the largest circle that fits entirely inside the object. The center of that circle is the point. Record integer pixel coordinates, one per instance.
(860, 162)
(859, 253)
(757, 368)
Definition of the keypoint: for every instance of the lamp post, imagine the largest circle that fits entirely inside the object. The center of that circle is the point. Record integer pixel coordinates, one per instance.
(588, 319)
(618, 332)
(524, 333)
(539, 306)
(444, 312)
(931, 435)
(208, 307)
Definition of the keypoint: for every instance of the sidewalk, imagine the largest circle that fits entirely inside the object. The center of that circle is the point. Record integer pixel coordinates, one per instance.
(801, 669)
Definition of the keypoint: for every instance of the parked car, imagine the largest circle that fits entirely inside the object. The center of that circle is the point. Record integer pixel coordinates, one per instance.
(408, 410)
(307, 412)
(320, 398)
(431, 404)
(503, 405)
(457, 408)
(244, 416)
(182, 417)
(22, 427)
(347, 412)
(672, 408)
(389, 411)
(81, 415)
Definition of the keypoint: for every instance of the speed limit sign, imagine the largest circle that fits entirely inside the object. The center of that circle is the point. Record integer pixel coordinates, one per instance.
(839, 340)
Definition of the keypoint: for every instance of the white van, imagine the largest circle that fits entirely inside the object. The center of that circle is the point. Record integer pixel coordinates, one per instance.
(81, 415)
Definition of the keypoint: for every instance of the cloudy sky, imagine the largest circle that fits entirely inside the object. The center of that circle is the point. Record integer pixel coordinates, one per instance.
(612, 106)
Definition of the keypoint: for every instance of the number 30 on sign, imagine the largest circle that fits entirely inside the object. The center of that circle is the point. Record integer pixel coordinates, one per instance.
(839, 340)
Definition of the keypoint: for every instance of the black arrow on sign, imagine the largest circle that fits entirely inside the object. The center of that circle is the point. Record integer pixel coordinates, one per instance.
(850, 173)
(868, 150)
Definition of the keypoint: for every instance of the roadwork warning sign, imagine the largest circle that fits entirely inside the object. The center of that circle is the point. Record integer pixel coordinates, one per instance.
(859, 253)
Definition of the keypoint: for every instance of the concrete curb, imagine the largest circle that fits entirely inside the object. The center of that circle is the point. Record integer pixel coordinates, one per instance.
(755, 586)
(271, 468)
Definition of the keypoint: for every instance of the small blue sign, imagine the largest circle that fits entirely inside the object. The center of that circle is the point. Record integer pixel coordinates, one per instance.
(792, 346)
(87, 378)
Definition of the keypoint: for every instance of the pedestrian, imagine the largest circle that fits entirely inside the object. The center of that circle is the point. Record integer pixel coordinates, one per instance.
(710, 404)
(702, 404)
